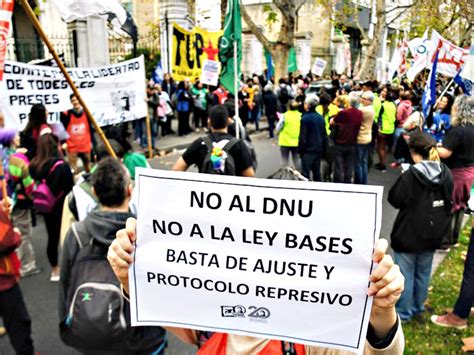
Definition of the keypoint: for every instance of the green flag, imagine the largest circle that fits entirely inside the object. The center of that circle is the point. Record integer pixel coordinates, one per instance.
(292, 64)
(232, 32)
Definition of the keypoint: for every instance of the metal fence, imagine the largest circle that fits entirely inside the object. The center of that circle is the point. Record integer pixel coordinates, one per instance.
(27, 49)
(122, 46)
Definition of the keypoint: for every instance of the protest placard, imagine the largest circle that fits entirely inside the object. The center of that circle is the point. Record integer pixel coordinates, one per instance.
(113, 93)
(210, 72)
(275, 259)
(318, 67)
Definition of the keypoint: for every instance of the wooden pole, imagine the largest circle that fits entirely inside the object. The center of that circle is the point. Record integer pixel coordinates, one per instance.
(4, 186)
(148, 130)
(31, 15)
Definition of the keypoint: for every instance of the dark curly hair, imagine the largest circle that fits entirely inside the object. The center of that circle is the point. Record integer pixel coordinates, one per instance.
(110, 182)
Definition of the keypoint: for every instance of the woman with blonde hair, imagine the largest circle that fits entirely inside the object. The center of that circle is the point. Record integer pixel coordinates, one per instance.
(457, 151)
(423, 196)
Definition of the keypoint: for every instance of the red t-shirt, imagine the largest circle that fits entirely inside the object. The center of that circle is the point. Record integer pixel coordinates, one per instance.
(79, 140)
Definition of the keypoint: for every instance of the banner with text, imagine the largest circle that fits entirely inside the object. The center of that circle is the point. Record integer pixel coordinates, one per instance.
(256, 257)
(113, 93)
(191, 49)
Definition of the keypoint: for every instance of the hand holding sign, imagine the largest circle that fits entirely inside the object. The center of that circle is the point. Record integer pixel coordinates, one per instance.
(387, 280)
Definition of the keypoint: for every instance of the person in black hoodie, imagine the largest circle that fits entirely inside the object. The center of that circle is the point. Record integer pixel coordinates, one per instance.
(113, 188)
(423, 196)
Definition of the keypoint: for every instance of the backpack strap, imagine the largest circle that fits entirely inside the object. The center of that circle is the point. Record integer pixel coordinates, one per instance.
(80, 242)
(230, 144)
(55, 165)
(208, 141)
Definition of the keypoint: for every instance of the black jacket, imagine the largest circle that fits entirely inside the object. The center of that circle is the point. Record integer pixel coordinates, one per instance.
(103, 226)
(270, 102)
(60, 180)
(423, 195)
(313, 134)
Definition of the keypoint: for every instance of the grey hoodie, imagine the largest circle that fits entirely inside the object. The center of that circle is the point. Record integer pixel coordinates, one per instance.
(431, 170)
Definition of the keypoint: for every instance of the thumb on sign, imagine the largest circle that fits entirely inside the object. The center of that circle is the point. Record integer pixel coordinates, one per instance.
(121, 250)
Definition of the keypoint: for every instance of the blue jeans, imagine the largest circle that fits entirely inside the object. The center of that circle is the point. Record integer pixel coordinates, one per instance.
(311, 162)
(396, 136)
(344, 162)
(361, 169)
(417, 270)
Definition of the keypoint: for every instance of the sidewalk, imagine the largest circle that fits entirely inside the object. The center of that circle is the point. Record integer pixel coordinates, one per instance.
(169, 143)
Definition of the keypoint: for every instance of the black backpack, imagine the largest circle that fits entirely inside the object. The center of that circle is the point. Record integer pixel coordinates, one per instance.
(227, 166)
(283, 95)
(95, 317)
(439, 218)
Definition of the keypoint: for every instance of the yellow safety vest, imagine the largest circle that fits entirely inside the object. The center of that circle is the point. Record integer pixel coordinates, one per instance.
(290, 133)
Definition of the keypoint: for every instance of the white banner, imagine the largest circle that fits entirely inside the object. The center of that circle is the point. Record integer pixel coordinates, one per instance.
(318, 67)
(113, 93)
(255, 257)
(210, 72)
(451, 58)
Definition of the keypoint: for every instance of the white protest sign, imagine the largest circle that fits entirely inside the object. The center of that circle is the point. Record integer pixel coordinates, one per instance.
(210, 72)
(318, 67)
(113, 93)
(286, 260)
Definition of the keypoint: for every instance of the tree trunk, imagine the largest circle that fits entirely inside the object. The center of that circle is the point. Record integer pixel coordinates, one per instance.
(367, 69)
(280, 54)
(223, 11)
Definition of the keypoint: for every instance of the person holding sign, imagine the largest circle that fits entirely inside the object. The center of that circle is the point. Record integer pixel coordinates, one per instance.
(384, 336)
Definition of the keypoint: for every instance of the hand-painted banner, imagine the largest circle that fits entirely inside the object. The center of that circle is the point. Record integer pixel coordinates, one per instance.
(113, 93)
(191, 49)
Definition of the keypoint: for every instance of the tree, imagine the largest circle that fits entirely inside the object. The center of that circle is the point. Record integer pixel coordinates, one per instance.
(223, 11)
(280, 49)
(367, 69)
(451, 18)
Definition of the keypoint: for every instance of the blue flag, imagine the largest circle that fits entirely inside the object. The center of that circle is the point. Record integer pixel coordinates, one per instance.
(157, 74)
(465, 84)
(269, 59)
(429, 96)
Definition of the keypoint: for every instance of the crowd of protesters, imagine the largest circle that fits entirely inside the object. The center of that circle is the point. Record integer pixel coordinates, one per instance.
(333, 132)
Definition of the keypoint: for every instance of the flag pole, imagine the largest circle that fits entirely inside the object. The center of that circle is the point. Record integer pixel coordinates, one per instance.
(236, 89)
(31, 15)
(443, 93)
(148, 131)
(4, 186)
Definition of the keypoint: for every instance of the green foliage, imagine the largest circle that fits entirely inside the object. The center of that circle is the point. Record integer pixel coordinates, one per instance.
(151, 59)
(422, 336)
(272, 16)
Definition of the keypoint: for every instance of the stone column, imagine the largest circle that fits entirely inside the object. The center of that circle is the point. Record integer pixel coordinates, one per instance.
(303, 53)
(91, 42)
(171, 11)
(252, 55)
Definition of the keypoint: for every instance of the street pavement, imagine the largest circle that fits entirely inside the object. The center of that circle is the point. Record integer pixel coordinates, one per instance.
(41, 295)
